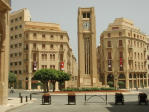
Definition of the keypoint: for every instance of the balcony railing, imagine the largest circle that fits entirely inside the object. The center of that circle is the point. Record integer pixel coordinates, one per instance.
(130, 46)
(130, 58)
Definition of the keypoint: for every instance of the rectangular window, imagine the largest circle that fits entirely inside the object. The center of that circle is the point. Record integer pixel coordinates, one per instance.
(61, 37)
(16, 45)
(43, 46)
(148, 57)
(16, 36)
(84, 15)
(20, 26)
(43, 35)
(88, 15)
(61, 57)
(11, 37)
(20, 44)
(34, 34)
(109, 34)
(11, 28)
(44, 66)
(16, 27)
(16, 19)
(11, 46)
(52, 66)
(109, 55)
(121, 54)
(51, 46)
(20, 63)
(20, 35)
(109, 65)
(12, 21)
(20, 18)
(34, 45)
(20, 54)
(120, 43)
(109, 43)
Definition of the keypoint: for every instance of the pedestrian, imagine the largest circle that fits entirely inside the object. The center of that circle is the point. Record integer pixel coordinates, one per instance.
(11, 90)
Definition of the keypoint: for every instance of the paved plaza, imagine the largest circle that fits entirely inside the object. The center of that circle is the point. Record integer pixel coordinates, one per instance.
(94, 104)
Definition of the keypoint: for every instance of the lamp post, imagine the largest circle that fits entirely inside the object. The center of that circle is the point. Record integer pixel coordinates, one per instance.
(115, 83)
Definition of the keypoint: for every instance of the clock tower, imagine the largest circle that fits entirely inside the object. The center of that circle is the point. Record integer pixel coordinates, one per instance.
(87, 48)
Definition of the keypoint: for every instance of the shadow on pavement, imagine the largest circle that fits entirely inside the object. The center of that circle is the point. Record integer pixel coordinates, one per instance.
(128, 107)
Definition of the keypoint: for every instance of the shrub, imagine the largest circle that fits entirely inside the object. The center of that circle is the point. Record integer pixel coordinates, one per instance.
(87, 89)
(111, 83)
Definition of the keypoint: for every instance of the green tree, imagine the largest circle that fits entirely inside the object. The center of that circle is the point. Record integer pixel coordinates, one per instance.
(62, 77)
(43, 76)
(46, 75)
(12, 79)
(53, 76)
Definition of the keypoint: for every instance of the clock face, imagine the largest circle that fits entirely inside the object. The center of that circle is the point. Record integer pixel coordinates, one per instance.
(86, 25)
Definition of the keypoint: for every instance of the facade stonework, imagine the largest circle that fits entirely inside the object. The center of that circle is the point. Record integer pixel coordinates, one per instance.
(87, 61)
(44, 45)
(122, 56)
(4, 50)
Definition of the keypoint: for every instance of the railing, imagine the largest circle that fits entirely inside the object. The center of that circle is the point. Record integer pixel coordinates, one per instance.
(130, 58)
(130, 46)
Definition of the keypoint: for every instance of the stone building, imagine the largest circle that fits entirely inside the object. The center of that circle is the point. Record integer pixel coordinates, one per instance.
(122, 55)
(43, 45)
(147, 53)
(4, 49)
(17, 24)
(87, 63)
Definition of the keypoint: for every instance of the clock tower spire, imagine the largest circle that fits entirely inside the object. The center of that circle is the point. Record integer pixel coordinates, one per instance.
(87, 48)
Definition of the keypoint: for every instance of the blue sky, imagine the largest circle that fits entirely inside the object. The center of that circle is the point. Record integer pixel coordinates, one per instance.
(64, 12)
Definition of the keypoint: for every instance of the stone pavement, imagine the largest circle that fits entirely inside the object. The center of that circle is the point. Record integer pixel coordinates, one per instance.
(13, 103)
(59, 102)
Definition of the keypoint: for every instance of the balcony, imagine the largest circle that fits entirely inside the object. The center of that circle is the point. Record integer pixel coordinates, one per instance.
(109, 47)
(144, 49)
(35, 49)
(130, 58)
(5, 5)
(120, 46)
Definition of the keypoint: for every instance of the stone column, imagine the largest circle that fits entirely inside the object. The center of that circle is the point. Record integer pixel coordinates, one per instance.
(56, 87)
(143, 80)
(2, 83)
(105, 79)
(146, 80)
(127, 80)
(132, 80)
(139, 81)
(4, 58)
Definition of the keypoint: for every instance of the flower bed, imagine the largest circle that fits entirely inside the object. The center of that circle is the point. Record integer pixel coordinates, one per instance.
(87, 89)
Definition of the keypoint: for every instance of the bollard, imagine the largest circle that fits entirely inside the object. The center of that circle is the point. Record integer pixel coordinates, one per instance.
(85, 98)
(19, 95)
(30, 96)
(26, 99)
(106, 98)
(21, 98)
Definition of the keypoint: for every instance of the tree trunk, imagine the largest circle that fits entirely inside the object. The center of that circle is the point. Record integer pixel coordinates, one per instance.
(47, 86)
(44, 87)
(53, 83)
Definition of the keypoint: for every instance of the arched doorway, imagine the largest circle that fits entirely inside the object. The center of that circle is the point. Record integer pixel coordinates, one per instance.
(122, 81)
(110, 80)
